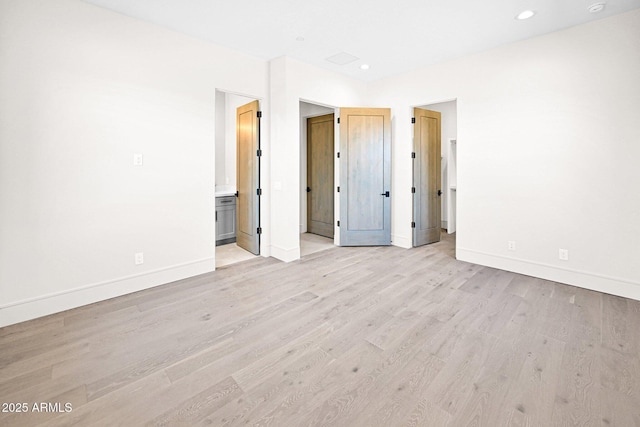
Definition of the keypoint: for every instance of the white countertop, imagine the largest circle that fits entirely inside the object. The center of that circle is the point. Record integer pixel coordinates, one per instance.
(225, 190)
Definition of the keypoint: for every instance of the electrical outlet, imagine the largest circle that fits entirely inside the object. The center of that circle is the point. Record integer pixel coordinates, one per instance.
(139, 258)
(138, 159)
(511, 245)
(563, 254)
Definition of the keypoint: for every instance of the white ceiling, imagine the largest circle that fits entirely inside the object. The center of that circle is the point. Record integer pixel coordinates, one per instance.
(391, 36)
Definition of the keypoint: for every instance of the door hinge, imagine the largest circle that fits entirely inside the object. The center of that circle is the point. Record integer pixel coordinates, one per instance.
(338, 223)
(413, 224)
(259, 191)
(413, 155)
(338, 154)
(259, 153)
(338, 120)
(259, 114)
(413, 189)
(259, 230)
(413, 120)
(338, 188)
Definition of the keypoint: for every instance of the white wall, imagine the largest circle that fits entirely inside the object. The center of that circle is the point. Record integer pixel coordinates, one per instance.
(547, 152)
(306, 110)
(293, 81)
(221, 146)
(83, 89)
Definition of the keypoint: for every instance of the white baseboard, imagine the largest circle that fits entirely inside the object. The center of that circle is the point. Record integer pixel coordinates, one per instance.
(444, 224)
(401, 241)
(33, 308)
(286, 255)
(265, 251)
(583, 279)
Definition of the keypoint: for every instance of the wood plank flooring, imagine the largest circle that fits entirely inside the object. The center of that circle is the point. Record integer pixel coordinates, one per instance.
(375, 336)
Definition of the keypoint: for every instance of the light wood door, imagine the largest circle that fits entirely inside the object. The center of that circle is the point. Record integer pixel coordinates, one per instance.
(365, 176)
(320, 142)
(248, 177)
(426, 177)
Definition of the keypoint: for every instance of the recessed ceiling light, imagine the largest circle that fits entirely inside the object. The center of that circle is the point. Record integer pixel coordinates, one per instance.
(596, 7)
(299, 39)
(364, 67)
(525, 14)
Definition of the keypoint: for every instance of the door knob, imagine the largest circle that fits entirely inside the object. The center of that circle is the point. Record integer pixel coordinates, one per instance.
(439, 192)
(308, 190)
(236, 194)
(385, 194)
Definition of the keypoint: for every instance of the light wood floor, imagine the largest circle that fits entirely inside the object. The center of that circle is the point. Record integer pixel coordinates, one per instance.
(378, 336)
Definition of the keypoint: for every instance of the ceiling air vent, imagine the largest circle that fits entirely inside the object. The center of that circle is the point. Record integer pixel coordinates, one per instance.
(342, 58)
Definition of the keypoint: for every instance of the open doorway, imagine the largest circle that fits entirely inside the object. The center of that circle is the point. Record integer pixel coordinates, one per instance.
(317, 177)
(448, 152)
(235, 213)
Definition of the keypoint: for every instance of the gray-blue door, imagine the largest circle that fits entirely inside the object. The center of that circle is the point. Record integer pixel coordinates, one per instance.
(365, 176)
(248, 177)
